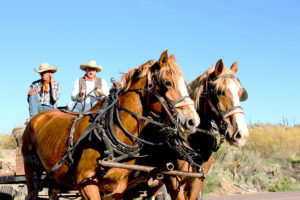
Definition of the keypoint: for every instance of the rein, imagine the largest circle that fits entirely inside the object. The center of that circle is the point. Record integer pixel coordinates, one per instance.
(188, 154)
(71, 148)
(111, 142)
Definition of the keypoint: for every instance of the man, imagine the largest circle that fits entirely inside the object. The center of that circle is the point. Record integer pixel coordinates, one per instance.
(44, 92)
(88, 89)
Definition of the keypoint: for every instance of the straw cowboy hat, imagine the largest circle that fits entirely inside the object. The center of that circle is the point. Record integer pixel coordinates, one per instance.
(91, 64)
(46, 67)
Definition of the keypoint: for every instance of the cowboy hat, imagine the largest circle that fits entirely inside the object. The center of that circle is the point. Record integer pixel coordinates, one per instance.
(91, 64)
(46, 67)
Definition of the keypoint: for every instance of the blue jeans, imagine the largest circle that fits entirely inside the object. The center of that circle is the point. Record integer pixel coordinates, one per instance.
(35, 106)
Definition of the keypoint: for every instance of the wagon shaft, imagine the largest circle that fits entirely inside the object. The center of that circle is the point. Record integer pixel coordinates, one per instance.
(148, 169)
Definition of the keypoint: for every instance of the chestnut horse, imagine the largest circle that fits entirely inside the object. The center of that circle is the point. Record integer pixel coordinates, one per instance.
(147, 91)
(217, 94)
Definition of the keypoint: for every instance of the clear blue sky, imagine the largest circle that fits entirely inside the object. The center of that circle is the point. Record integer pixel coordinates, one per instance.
(262, 35)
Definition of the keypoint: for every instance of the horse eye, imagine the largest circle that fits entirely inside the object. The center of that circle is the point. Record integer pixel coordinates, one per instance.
(168, 83)
(221, 93)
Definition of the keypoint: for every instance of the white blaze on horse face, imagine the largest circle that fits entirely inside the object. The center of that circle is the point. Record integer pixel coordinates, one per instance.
(184, 92)
(240, 120)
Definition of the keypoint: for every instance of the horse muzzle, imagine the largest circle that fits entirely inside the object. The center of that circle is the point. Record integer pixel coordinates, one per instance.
(239, 138)
(187, 123)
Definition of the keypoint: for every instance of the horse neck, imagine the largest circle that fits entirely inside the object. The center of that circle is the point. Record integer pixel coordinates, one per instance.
(205, 114)
(206, 118)
(133, 101)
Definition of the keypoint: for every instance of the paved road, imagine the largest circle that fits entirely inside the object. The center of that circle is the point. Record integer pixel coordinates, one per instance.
(262, 196)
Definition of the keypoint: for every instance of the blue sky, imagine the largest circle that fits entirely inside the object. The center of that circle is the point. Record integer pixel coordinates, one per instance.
(263, 36)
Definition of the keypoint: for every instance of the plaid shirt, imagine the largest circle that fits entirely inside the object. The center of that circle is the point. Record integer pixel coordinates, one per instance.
(50, 98)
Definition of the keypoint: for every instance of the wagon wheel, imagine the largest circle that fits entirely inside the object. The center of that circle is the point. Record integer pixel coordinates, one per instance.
(7, 193)
(163, 194)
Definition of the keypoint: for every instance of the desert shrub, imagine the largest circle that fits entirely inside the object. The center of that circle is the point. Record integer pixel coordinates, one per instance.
(285, 183)
(212, 182)
(222, 171)
(269, 150)
(215, 178)
(275, 141)
(7, 142)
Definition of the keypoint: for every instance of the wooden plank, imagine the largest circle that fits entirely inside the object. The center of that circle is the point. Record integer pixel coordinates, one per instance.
(19, 162)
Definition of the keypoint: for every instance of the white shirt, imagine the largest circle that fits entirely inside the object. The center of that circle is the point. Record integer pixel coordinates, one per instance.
(90, 86)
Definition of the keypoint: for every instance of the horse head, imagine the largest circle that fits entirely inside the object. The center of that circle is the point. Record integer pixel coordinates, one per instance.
(163, 93)
(218, 93)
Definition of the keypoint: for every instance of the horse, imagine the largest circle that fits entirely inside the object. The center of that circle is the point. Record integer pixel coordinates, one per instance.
(217, 94)
(152, 89)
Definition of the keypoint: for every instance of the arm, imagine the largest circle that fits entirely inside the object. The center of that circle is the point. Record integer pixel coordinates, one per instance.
(55, 92)
(33, 90)
(75, 93)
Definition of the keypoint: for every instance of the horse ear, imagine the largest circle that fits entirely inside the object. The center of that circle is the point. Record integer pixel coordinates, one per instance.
(163, 58)
(234, 67)
(172, 58)
(219, 67)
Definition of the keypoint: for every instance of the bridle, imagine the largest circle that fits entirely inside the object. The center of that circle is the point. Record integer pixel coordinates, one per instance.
(211, 97)
(167, 103)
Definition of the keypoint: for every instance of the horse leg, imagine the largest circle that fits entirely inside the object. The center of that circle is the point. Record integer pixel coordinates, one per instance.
(53, 193)
(90, 192)
(32, 167)
(32, 179)
(164, 193)
(119, 191)
(194, 188)
(175, 188)
(195, 185)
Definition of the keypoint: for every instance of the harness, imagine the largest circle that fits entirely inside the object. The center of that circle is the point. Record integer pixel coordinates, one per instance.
(116, 150)
(194, 156)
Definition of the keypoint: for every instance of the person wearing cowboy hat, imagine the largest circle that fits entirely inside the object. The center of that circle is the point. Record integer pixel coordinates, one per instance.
(89, 89)
(44, 92)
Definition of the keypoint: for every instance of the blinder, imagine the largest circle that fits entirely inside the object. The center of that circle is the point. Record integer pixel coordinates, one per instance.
(244, 95)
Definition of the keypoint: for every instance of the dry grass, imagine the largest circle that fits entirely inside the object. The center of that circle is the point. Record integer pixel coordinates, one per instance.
(268, 162)
(7, 142)
(274, 141)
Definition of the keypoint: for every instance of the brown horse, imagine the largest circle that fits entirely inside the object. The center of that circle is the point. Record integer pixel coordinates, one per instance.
(217, 94)
(147, 91)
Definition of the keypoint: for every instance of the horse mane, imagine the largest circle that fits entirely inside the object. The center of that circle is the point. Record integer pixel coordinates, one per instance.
(200, 84)
(170, 68)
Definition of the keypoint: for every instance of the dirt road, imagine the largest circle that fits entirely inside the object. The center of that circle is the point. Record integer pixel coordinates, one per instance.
(262, 196)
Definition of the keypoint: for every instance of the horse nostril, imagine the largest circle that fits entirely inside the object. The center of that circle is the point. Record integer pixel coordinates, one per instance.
(191, 122)
(237, 135)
